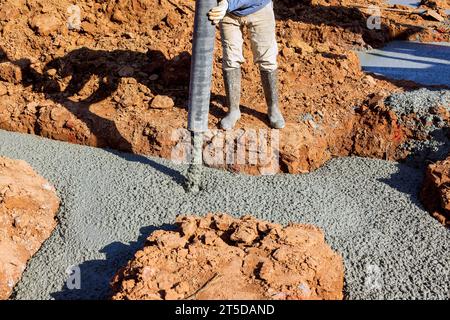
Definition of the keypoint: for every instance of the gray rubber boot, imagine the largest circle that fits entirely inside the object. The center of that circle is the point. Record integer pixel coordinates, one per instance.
(232, 79)
(270, 86)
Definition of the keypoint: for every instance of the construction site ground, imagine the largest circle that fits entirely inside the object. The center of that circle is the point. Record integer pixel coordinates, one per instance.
(366, 110)
(369, 211)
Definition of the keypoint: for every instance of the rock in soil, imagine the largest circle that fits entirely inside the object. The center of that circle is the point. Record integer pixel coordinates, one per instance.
(45, 24)
(162, 102)
(10, 73)
(28, 205)
(221, 257)
(435, 193)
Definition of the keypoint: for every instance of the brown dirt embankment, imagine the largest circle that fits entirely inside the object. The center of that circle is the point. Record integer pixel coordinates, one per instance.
(28, 205)
(435, 193)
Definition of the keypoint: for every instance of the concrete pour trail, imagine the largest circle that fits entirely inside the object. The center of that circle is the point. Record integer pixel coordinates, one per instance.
(425, 63)
(111, 202)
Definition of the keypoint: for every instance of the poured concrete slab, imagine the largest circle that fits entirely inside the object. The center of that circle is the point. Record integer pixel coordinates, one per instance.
(424, 63)
(410, 3)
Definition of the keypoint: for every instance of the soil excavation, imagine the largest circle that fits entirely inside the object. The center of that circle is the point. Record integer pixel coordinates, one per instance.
(28, 205)
(120, 78)
(221, 257)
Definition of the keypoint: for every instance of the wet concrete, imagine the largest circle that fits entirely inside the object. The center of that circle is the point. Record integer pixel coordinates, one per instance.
(110, 202)
(410, 3)
(424, 63)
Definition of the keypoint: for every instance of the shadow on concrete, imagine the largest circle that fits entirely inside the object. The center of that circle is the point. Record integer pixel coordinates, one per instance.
(406, 180)
(175, 175)
(409, 178)
(96, 275)
(436, 148)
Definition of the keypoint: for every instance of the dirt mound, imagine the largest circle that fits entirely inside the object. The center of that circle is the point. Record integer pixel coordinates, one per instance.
(435, 193)
(220, 257)
(116, 74)
(28, 205)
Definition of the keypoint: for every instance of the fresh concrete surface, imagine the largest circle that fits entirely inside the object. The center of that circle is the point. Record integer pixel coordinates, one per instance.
(111, 201)
(410, 3)
(424, 63)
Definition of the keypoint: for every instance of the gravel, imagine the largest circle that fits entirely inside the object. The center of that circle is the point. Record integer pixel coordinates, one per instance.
(420, 102)
(424, 103)
(111, 201)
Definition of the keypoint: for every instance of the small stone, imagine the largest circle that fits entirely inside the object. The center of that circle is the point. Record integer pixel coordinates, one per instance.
(182, 287)
(89, 27)
(57, 113)
(172, 295)
(188, 227)
(70, 124)
(8, 12)
(245, 233)
(223, 222)
(369, 80)
(376, 100)
(162, 102)
(51, 72)
(47, 186)
(170, 240)
(3, 89)
(149, 272)
(286, 52)
(11, 73)
(209, 238)
(301, 47)
(266, 271)
(126, 71)
(118, 16)
(45, 24)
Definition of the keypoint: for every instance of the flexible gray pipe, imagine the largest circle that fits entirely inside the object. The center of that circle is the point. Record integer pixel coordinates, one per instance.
(201, 67)
(200, 88)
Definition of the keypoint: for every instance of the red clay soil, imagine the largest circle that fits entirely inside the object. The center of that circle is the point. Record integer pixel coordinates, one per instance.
(121, 80)
(28, 205)
(220, 257)
(435, 193)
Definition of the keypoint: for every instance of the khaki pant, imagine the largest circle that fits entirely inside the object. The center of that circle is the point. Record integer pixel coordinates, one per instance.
(261, 26)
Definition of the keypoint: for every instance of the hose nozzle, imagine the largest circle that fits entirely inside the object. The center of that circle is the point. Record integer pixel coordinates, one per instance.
(194, 173)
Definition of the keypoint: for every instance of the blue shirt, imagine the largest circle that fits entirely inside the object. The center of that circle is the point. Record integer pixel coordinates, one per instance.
(245, 7)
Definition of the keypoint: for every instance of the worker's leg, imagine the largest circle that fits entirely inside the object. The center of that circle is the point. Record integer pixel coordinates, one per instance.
(232, 43)
(261, 26)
